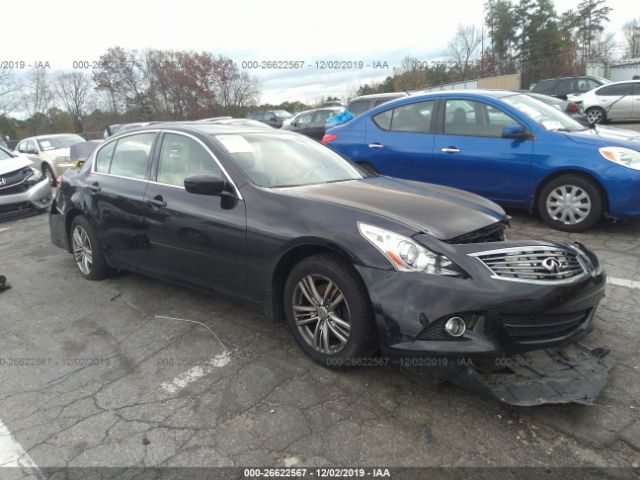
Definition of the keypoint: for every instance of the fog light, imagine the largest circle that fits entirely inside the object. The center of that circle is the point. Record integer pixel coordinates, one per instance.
(455, 326)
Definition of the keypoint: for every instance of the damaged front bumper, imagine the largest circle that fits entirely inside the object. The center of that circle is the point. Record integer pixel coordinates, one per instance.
(574, 373)
(501, 314)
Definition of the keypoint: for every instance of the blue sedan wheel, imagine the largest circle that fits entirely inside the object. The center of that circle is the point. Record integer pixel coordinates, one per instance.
(571, 203)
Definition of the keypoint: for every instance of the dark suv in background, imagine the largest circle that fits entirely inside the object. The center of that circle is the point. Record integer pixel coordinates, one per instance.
(562, 86)
(273, 118)
(365, 103)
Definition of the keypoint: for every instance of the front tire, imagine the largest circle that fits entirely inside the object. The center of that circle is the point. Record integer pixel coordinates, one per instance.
(596, 115)
(46, 170)
(571, 203)
(328, 311)
(86, 250)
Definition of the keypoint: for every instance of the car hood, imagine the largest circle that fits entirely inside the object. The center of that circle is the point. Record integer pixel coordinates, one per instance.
(442, 212)
(12, 164)
(607, 136)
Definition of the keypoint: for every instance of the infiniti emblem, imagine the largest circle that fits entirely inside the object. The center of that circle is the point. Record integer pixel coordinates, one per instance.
(551, 264)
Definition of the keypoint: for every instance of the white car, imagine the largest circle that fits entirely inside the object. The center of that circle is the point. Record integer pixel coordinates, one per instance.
(50, 153)
(614, 101)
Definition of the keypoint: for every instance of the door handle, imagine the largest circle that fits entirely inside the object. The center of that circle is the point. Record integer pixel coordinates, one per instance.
(450, 150)
(157, 201)
(376, 145)
(95, 187)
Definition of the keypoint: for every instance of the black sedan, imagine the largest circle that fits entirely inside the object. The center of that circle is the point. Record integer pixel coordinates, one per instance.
(353, 262)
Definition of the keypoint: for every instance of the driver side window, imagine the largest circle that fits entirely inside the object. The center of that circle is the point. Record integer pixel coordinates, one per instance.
(182, 157)
(305, 119)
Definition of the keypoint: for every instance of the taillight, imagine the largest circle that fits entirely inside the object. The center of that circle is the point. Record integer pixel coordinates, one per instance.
(329, 137)
(572, 107)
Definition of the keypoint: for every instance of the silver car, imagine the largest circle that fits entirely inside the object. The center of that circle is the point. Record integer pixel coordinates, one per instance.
(50, 153)
(24, 189)
(611, 102)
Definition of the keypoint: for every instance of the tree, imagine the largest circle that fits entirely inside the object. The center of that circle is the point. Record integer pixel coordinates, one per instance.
(501, 22)
(75, 91)
(591, 16)
(9, 87)
(38, 97)
(464, 48)
(631, 32)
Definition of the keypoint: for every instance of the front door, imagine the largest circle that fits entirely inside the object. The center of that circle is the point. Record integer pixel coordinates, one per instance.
(472, 155)
(200, 239)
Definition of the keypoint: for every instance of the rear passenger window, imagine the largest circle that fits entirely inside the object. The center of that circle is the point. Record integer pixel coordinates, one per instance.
(415, 117)
(131, 156)
(383, 120)
(103, 158)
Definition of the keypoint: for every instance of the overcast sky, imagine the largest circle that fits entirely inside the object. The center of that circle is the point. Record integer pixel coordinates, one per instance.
(61, 31)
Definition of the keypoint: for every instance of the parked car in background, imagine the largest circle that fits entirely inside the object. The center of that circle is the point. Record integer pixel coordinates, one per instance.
(273, 118)
(572, 109)
(24, 190)
(353, 262)
(562, 86)
(312, 122)
(506, 146)
(333, 103)
(364, 103)
(612, 102)
(50, 153)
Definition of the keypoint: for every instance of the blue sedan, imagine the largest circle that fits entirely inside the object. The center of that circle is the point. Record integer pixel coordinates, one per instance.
(506, 146)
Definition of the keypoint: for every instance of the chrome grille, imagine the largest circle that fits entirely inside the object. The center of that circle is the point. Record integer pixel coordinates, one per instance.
(534, 264)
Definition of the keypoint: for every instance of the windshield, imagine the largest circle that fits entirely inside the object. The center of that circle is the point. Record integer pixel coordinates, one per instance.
(546, 115)
(275, 160)
(4, 154)
(65, 141)
(282, 113)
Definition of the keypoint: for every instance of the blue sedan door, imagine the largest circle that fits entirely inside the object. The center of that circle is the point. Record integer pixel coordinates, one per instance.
(400, 141)
(471, 154)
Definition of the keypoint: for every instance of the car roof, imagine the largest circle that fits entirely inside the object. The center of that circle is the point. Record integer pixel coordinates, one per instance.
(52, 135)
(379, 95)
(208, 128)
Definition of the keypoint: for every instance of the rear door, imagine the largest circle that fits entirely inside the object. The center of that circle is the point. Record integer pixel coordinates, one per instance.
(115, 189)
(399, 141)
(316, 129)
(472, 155)
(199, 239)
(617, 100)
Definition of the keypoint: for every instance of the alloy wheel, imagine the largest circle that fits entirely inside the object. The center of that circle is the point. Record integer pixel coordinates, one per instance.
(82, 250)
(568, 204)
(594, 115)
(321, 314)
(50, 177)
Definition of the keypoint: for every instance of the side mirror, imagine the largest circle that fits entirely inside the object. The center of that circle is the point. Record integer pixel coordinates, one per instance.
(515, 131)
(273, 119)
(206, 185)
(31, 151)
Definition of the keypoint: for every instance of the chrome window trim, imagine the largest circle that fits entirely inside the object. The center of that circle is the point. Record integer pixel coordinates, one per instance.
(585, 270)
(161, 130)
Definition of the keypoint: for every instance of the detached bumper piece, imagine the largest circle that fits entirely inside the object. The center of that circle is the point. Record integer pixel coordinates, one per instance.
(4, 285)
(574, 373)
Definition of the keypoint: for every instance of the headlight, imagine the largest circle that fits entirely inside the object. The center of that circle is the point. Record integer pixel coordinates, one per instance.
(406, 255)
(622, 156)
(35, 176)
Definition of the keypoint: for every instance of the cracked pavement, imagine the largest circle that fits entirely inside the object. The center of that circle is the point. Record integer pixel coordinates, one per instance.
(95, 374)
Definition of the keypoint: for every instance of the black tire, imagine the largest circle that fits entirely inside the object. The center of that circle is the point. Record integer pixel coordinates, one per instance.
(361, 341)
(580, 183)
(99, 268)
(47, 172)
(596, 115)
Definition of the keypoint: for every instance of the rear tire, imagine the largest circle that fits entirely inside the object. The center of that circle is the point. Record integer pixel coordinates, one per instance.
(596, 115)
(333, 320)
(86, 250)
(571, 203)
